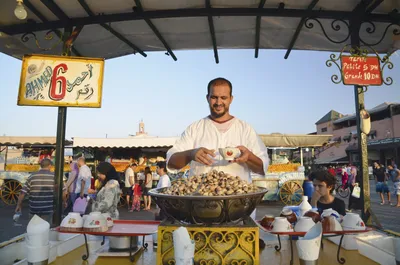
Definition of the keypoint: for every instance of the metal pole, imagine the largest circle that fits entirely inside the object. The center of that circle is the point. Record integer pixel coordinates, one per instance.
(60, 146)
(362, 138)
(5, 159)
(301, 156)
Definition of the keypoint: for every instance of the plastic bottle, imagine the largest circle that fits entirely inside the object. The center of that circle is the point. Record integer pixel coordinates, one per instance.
(304, 206)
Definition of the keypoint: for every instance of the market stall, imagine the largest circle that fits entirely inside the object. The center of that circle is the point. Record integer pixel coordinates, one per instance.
(143, 150)
(284, 179)
(20, 157)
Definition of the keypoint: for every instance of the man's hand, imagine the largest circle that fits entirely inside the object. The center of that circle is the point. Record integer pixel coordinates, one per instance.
(18, 208)
(315, 198)
(244, 154)
(203, 156)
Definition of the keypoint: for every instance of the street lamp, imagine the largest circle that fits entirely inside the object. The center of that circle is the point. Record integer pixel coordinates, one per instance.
(20, 11)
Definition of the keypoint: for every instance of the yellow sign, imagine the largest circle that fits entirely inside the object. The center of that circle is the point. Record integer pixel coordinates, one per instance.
(61, 81)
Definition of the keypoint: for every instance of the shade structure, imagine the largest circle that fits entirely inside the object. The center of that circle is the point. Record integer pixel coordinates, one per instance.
(119, 27)
(294, 140)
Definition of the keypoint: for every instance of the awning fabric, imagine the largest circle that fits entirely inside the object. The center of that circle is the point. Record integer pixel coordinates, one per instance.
(294, 140)
(330, 160)
(125, 142)
(28, 141)
(117, 28)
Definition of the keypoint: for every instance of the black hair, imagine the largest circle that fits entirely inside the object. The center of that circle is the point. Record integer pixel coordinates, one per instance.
(324, 176)
(163, 165)
(218, 80)
(107, 169)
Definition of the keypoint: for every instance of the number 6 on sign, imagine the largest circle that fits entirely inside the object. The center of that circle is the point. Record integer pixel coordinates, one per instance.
(58, 83)
(61, 81)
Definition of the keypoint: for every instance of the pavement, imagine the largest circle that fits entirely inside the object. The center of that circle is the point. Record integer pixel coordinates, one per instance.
(388, 216)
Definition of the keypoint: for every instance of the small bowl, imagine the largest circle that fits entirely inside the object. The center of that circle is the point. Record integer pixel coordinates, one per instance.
(289, 215)
(95, 221)
(72, 220)
(229, 153)
(281, 224)
(314, 215)
(352, 221)
(267, 221)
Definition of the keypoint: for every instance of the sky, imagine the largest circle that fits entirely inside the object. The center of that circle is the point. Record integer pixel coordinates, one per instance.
(270, 93)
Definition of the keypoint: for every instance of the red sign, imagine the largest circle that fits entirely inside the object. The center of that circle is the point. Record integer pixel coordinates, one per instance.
(363, 71)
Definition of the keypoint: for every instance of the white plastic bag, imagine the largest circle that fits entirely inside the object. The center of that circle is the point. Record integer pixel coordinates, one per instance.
(356, 191)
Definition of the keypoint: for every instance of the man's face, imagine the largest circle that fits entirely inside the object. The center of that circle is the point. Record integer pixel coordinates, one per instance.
(219, 99)
(376, 164)
(321, 187)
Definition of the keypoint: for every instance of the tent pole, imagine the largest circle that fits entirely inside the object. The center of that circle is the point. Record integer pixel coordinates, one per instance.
(60, 145)
(301, 156)
(355, 25)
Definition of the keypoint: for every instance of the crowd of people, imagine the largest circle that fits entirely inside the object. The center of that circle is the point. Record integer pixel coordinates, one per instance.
(103, 196)
(325, 181)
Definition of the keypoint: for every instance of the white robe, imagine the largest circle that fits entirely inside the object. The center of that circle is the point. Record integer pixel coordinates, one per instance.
(204, 133)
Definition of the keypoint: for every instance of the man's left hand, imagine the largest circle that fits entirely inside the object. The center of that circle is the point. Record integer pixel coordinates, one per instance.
(244, 154)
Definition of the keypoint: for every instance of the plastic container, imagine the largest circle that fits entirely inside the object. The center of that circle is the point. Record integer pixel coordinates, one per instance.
(304, 206)
(377, 247)
(308, 188)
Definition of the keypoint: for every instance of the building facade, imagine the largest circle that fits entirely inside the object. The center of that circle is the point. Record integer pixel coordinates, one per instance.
(383, 139)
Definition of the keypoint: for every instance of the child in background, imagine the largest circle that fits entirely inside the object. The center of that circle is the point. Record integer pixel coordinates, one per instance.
(137, 193)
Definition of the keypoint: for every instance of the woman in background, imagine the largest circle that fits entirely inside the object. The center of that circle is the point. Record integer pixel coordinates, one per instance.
(148, 184)
(109, 195)
(137, 193)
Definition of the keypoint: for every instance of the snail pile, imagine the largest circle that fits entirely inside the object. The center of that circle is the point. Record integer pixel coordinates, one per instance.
(213, 183)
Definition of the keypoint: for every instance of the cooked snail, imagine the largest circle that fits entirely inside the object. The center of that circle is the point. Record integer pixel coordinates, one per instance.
(213, 183)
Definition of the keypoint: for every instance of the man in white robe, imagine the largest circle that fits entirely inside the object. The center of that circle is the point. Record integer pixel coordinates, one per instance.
(200, 142)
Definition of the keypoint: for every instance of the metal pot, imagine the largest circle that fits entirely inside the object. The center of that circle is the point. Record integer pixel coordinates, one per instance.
(123, 242)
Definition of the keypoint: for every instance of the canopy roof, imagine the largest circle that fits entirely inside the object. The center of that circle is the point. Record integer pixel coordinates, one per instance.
(120, 27)
(125, 142)
(294, 140)
(29, 141)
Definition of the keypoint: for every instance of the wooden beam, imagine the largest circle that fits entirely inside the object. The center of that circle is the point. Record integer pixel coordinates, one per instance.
(299, 27)
(155, 30)
(258, 29)
(212, 32)
(111, 30)
(37, 13)
(392, 17)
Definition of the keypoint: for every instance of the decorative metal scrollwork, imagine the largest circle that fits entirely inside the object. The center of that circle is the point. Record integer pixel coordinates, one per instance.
(362, 51)
(371, 29)
(48, 37)
(335, 25)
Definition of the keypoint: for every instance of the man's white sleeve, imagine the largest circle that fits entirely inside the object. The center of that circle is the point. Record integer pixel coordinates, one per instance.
(257, 146)
(185, 142)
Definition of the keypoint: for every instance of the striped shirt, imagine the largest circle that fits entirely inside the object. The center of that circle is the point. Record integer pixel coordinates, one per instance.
(40, 188)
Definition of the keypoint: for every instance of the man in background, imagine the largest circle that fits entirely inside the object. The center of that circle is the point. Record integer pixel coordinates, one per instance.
(40, 189)
(84, 179)
(129, 181)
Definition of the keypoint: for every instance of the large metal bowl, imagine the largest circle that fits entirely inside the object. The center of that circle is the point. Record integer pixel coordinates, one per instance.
(207, 210)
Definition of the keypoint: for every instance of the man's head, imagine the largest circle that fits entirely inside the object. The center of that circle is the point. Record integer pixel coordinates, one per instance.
(390, 167)
(323, 182)
(219, 96)
(45, 163)
(376, 165)
(133, 165)
(161, 168)
(81, 161)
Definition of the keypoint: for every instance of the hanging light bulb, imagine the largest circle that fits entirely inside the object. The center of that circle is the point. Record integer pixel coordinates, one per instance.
(20, 11)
